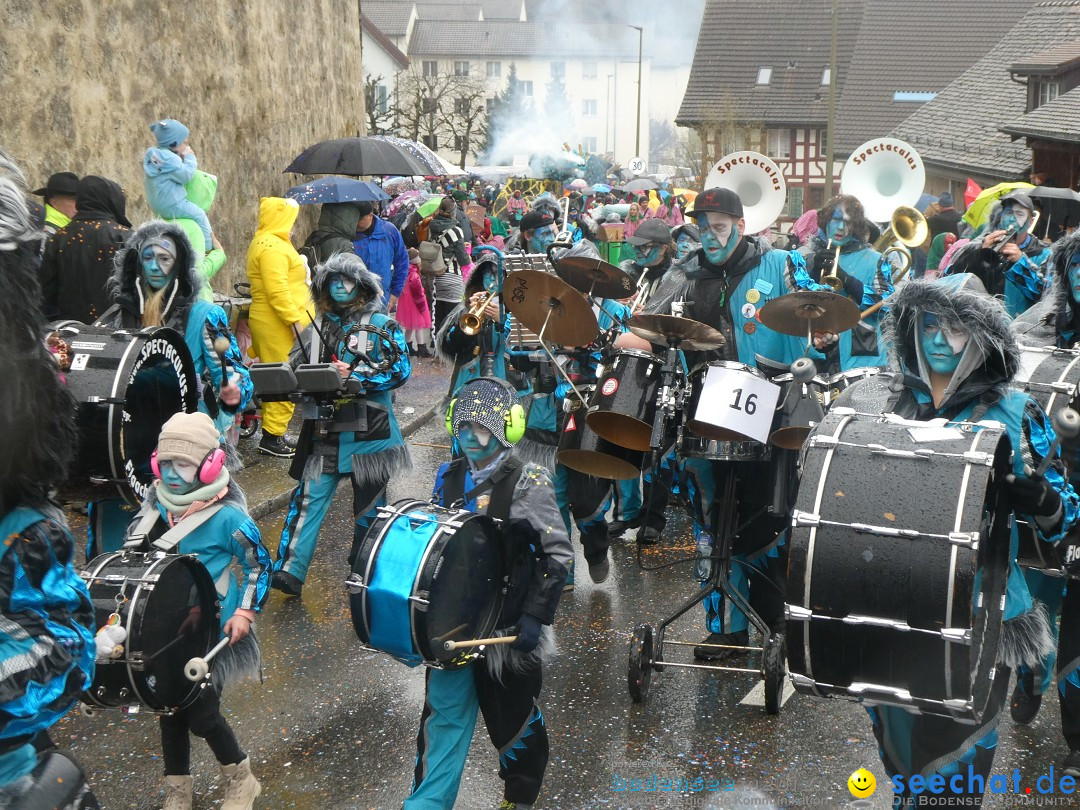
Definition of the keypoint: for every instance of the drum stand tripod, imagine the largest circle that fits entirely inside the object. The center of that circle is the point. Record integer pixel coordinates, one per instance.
(647, 645)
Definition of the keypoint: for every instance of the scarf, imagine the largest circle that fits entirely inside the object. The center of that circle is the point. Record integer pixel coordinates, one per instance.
(180, 505)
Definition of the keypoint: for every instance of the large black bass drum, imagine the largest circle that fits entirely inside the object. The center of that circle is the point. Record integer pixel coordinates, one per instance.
(126, 385)
(898, 563)
(168, 605)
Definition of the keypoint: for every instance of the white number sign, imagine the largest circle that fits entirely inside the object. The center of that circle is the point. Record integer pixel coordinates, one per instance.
(738, 401)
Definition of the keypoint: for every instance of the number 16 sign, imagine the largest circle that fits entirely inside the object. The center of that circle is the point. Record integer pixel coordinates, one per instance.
(736, 399)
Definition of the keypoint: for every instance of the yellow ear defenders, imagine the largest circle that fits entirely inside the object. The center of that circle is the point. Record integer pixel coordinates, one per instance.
(514, 417)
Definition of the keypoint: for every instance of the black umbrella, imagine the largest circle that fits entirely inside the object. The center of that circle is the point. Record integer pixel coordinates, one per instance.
(355, 156)
(1060, 206)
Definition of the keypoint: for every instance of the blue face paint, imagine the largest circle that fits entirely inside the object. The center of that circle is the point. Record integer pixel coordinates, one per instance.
(477, 443)
(343, 290)
(652, 255)
(719, 239)
(838, 228)
(682, 246)
(1014, 216)
(942, 347)
(1073, 276)
(541, 238)
(178, 476)
(157, 267)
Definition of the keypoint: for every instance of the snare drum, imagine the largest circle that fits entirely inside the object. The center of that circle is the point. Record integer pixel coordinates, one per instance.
(426, 575)
(838, 383)
(583, 451)
(730, 401)
(126, 385)
(169, 607)
(623, 406)
(895, 597)
(691, 446)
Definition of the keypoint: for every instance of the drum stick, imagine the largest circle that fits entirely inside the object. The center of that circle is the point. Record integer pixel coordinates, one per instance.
(429, 444)
(457, 629)
(1066, 426)
(169, 646)
(479, 642)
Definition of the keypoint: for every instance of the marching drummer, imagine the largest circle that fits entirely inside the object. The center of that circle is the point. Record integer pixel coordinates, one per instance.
(654, 252)
(1055, 322)
(723, 285)
(954, 358)
(193, 482)
(491, 479)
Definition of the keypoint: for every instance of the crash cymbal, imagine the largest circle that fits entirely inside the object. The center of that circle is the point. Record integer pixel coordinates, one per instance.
(595, 276)
(670, 331)
(798, 312)
(537, 298)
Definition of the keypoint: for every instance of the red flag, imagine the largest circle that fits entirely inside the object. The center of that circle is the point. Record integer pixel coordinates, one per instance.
(972, 191)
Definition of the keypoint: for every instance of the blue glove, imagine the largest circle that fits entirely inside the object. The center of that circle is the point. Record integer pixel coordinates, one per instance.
(528, 633)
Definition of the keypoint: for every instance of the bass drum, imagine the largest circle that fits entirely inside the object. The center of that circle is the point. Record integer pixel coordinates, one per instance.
(168, 605)
(126, 386)
(426, 575)
(898, 563)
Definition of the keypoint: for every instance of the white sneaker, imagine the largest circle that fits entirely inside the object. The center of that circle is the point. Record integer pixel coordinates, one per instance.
(178, 792)
(241, 786)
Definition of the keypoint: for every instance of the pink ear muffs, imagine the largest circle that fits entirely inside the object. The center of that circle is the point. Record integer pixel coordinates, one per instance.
(209, 468)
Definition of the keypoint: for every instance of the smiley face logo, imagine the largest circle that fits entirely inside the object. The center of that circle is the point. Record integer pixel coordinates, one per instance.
(862, 784)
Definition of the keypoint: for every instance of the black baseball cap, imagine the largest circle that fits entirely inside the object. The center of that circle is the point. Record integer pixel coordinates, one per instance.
(720, 201)
(1020, 197)
(535, 219)
(60, 183)
(650, 231)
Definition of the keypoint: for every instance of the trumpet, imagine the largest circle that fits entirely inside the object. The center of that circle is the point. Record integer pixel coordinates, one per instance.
(832, 280)
(471, 322)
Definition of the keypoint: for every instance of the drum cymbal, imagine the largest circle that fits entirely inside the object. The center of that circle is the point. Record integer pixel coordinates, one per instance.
(537, 298)
(797, 312)
(595, 276)
(671, 330)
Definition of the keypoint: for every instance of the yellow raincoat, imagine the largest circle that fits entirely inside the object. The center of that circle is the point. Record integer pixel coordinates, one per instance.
(279, 296)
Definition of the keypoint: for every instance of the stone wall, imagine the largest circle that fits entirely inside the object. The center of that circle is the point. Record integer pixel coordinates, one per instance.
(256, 81)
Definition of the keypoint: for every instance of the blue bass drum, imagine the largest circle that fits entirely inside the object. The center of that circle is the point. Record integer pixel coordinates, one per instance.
(426, 575)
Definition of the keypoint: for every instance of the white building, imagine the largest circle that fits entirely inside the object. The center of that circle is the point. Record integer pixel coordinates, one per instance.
(382, 60)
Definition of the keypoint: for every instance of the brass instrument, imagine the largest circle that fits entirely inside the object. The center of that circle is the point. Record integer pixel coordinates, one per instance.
(832, 280)
(1013, 231)
(471, 322)
(906, 226)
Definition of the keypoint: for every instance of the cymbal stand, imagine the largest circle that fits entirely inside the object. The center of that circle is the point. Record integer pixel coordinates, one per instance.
(558, 367)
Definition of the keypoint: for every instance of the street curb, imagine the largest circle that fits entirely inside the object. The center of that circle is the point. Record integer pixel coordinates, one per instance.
(284, 488)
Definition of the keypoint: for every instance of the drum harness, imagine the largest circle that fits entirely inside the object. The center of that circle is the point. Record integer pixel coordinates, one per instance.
(501, 483)
(172, 538)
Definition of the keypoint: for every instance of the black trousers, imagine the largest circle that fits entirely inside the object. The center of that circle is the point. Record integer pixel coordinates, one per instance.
(1068, 660)
(442, 309)
(203, 719)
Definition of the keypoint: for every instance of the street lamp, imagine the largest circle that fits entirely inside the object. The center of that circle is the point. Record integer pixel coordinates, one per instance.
(637, 129)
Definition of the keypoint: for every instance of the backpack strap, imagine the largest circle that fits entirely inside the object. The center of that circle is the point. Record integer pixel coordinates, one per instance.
(171, 539)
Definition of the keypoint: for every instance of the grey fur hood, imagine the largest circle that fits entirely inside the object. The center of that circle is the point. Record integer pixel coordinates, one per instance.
(351, 266)
(992, 355)
(125, 286)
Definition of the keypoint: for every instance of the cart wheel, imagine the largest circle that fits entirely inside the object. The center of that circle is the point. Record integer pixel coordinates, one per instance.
(773, 663)
(640, 669)
(249, 425)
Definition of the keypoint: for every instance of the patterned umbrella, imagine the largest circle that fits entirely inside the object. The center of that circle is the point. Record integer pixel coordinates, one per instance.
(336, 190)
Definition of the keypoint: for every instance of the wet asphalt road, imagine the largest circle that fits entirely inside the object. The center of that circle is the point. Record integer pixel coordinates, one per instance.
(333, 726)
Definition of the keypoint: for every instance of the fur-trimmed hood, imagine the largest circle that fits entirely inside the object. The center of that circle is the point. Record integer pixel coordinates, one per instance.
(126, 287)
(350, 266)
(992, 355)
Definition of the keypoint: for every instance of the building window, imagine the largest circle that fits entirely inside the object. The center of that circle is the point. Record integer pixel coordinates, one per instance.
(589, 143)
(431, 68)
(589, 70)
(382, 99)
(558, 70)
(588, 107)
(526, 88)
(779, 145)
(428, 104)
(1048, 91)
(826, 76)
(764, 75)
(461, 106)
(431, 141)
(459, 143)
(461, 68)
(793, 207)
(489, 105)
(494, 70)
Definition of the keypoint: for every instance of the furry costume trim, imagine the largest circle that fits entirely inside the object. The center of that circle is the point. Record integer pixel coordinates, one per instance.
(1026, 639)
(352, 267)
(498, 658)
(127, 268)
(440, 335)
(545, 455)
(237, 662)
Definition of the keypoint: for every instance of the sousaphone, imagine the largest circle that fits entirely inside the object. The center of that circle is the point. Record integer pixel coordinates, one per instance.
(759, 183)
(884, 174)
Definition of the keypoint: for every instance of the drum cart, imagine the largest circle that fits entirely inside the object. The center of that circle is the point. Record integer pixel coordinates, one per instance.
(647, 643)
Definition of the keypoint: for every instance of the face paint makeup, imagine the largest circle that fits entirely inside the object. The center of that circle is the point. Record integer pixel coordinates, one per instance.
(541, 238)
(1014, 216)
(343, 290)
(838, 228)
(157, 266)
(682, 246)
(653, 254)
(477, 442)
(942, 346)
(1073, 277)
(178, 475)
(719, 236)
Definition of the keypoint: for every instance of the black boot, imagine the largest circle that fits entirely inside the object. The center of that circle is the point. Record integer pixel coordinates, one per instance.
(271, 445)
(706, 653)
(286, 583)
(1025, 703)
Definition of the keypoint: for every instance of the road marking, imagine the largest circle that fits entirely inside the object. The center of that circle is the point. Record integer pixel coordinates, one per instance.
(756, 696)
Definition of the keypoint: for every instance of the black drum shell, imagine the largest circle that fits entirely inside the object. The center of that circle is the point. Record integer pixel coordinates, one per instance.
(126, 386)
(153, 616)
(583, 451)
(433, 581)
(852, 573)
(622, 408)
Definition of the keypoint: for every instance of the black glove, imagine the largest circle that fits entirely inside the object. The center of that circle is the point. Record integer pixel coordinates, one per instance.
(1069, 549)
(1033, 496)
(528, 633)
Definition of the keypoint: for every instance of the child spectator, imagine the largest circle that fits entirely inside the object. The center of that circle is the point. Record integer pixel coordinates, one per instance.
(414, 311)
(169, 166)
